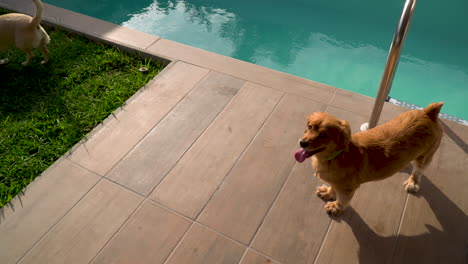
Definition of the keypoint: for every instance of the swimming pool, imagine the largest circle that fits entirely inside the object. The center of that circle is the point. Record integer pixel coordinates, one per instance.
(341, 43)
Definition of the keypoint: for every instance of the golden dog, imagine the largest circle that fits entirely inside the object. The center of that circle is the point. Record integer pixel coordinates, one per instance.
(25, 33)
(346, 161)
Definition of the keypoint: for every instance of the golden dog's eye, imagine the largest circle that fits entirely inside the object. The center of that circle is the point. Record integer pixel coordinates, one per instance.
(309, 127)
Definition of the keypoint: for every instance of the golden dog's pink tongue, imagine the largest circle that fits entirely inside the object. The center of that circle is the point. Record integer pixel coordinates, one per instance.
(301, 155)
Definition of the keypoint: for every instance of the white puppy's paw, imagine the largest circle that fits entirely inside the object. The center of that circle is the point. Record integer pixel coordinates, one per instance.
(411, 186)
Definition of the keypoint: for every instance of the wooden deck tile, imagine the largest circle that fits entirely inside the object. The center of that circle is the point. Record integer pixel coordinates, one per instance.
(31, 214)
(148, 237)
(294, 229)
(79, 236)
(203, 246)
(239, 206)
(252, 257)
(199, 173)
(144, 167)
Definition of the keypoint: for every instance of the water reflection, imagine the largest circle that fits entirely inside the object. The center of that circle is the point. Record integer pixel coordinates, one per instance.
(309, 45)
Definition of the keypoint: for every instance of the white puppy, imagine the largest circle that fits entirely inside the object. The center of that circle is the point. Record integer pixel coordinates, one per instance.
(25, 33)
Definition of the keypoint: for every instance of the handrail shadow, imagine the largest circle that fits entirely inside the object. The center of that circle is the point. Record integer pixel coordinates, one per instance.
(451, 134)
(449, 245)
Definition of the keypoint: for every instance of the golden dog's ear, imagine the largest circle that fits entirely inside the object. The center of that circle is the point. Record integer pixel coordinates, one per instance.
(345, 135)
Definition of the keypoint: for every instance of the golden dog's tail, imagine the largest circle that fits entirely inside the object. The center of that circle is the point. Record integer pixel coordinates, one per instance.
(432, 110)
(39, 11)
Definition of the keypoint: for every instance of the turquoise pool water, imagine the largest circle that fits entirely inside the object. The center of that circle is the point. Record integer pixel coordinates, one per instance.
(343, 43)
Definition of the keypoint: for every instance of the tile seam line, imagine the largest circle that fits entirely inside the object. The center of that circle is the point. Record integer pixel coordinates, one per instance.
(111, 180)
(198, 137)
(149, 130)
(332, 97)
(207, 228)
(153, 43)
(330, 225)
(118, 230)
(402, 216)
(270, 208)
(178, 243)
(197, 217)
(243, 255)
(59, 220)
(263, 254)
(275, 201)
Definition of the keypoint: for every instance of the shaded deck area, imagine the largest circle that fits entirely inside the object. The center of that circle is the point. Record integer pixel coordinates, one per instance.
(198, 167)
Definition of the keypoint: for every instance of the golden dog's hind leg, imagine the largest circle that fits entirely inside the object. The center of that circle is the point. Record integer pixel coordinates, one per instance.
(343, 197)
(326, 193)
(419, 164)
(412, 183)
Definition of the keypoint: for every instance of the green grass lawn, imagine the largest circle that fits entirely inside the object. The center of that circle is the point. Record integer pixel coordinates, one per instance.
(46, 109)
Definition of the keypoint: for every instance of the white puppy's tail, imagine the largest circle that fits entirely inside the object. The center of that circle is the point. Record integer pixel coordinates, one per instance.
(39, 11)
(433, 110)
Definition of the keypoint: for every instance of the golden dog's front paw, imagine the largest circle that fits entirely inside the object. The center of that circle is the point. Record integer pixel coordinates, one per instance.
(326, 193)
(333, 208)
(411, 186)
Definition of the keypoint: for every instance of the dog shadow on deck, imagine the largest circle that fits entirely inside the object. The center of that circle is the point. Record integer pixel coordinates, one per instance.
(445, 244)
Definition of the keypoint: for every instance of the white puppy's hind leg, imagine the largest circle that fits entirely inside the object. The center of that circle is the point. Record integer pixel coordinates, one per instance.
(45, 53)
(29, 55)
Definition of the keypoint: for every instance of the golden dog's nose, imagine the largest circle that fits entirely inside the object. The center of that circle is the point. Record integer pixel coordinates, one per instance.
(303, 143)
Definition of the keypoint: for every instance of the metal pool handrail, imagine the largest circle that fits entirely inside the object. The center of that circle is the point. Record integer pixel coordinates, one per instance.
(392, 63)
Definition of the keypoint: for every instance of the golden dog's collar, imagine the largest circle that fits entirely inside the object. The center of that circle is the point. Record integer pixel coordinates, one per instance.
(335, 154)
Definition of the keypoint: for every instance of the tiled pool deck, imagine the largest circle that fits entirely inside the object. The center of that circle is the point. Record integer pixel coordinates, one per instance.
(198, 168)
